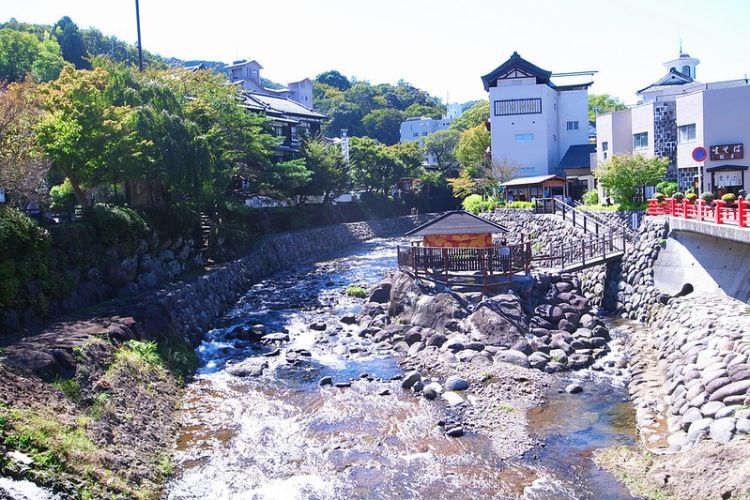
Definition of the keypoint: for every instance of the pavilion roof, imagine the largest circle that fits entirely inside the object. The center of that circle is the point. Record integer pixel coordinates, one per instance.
(457, 222)
(533, 180)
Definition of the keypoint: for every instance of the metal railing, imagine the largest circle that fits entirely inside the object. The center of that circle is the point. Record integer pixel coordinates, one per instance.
(578, 218)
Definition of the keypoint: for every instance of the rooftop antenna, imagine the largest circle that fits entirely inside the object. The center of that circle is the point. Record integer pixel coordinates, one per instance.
(680, 45)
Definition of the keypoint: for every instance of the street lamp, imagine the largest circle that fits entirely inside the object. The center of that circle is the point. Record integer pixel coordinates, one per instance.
(140, 45)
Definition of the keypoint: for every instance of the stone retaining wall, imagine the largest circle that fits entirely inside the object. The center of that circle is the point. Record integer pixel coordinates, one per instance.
(700, 346)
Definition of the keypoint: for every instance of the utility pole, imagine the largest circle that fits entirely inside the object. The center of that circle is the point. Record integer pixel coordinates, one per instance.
(140, 45)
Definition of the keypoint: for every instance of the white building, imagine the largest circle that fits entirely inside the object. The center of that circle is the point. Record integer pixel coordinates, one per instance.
(247, 74)
(534, 122)
(650, 128)
(417, 128)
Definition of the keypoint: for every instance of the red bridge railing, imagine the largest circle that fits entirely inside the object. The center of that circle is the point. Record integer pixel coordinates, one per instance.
(718, 212)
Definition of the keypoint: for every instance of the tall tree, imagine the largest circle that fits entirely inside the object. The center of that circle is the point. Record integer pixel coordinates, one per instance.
(334, 79)
(471, 151)
(330, 173)
(23, 165)
(384, 125)
(71, 42)
(374, 167)
(603, 103)
(624, 175)
(475, 115)
(441, 146)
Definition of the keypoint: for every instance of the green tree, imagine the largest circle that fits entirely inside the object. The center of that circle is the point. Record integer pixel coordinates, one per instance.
(603, 103)
(334, 79)
(417, 110)
(345, 115)
(287, 178)
(374, 167)
(471, 151)
(330, 173)
(475, 115)
(625, 175)
(411, 155)
(384, 125)
(49, 62)
(71, 43)
(441, 145)
(18, 52)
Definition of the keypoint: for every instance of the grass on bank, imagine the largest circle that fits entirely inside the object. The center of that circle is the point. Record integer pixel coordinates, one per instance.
(356, 291)
(622, 461)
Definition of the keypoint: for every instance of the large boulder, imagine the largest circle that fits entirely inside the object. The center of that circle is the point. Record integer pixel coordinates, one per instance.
(434, 311)
(404, 294)
(492, 328)
(381, 293)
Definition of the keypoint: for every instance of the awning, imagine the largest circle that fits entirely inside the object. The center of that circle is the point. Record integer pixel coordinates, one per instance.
(724, 168)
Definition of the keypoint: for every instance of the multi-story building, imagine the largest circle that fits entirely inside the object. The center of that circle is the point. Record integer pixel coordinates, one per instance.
(534, 121)
(652, 127)
(290, 110)
(417, 128)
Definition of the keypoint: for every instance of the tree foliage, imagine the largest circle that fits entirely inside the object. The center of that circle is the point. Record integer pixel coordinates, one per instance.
(23, 54)
(23, 165)
(624, 175)
(334, 79)
(442, 145)
(471, 151)
(375, 167)
(472, 117)
(329, 172)
(603, 103)
(71, 43)
(384, 125)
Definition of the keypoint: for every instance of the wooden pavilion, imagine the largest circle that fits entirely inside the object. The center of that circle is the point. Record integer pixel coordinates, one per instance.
(539, 186)
(457, 249)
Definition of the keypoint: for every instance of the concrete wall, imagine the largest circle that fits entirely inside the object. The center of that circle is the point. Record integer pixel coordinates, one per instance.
(643, 121)
(709, 264)
(572, 105)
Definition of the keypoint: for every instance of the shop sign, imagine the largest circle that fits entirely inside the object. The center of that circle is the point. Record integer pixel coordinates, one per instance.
(727, 152)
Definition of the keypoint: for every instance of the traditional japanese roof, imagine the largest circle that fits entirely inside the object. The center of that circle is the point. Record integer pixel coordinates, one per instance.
(720, 168)
(671, 79)
(578, 155)
(530, 181)
(516, 67)
(457, 222)
(281, 106)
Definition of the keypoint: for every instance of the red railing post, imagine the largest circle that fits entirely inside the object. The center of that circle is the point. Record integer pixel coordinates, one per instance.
(671, 207)
(719, 205)
(700, 209)
(741, 213)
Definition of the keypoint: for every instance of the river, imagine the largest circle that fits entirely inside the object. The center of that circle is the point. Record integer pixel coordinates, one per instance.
(280, 435)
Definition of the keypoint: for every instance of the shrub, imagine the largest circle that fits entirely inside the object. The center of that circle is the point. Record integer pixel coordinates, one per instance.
(667, 187)
(691, 197)
(678, 196)
(708, 197)
(520, 204)
(117, 226)
(659, 196)
(356, 291)
(591, 197)
(472, 203)
(62, 197)
(729, 198)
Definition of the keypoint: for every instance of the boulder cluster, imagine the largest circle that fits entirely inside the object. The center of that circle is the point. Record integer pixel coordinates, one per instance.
(552, 328)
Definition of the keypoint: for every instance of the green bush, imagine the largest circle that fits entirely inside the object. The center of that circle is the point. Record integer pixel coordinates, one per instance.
(472, 203)
(691, 197)
(520, 204)
(62, 197)
(678, 196)
(708, 197)
(116, 226)
(729, 198)
(667, 187)
(591, 197)
(356, 291)
(489, 204)
(659, 196)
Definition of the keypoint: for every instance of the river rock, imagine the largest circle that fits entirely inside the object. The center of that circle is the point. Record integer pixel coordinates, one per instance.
(457, 431)
(381, 293)
(735, 388)
(276, 337)
(431, 391)
(573, 389)
(452, 398)
(348, 319)
(249, 368)
(699, 428)
(743, 425)
(492, 328)
(325, 381)
(722, 430)
(434, 311)
(538, 360)
(710, 409)
(513, 357)
(456, 383)
(410, 379)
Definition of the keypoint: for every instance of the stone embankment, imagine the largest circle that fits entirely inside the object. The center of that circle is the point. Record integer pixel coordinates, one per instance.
(702, 346)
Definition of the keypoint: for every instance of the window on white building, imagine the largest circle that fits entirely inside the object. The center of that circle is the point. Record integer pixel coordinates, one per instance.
(605, 145)
(640, 141)
(686, 70)
(524, 137)
(416, 134)
(573, 125)
(518, 107)
(686, 133)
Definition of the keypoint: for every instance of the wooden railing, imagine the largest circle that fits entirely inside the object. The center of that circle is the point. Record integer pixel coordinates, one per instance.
(717, 212)
(587, 252)
(465, 266)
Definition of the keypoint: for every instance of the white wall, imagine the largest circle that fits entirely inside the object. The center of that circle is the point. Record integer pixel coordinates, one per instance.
(572, 105)
(689, 110)
(643, 121)
(726, 120)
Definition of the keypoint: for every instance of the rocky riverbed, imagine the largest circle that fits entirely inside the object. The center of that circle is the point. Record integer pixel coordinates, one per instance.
(307, 392)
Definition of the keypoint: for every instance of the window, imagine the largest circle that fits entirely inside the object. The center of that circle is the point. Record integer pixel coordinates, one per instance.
(686, 133)
(605, 146)
(686, 70)
(605, 155)
(572, 125)
(524, 137)
(518, 107)
(424, 133)
(416, 134)
(640, 141)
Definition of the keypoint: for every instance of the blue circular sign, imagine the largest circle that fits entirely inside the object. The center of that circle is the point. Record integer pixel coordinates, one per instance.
(699, 154)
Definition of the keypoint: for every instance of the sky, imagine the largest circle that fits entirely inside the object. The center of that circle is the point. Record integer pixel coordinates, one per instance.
(442, 46)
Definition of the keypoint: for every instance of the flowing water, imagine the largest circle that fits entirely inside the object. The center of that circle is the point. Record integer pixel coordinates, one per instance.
(280, 435)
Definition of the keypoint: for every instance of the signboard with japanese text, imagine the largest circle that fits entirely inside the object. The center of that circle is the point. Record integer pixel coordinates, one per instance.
(727, 152)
